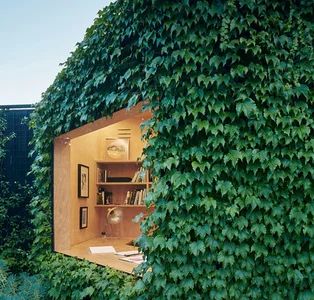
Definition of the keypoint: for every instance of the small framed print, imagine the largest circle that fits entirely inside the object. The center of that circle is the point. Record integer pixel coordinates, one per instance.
(83, 217)
(83, 181)
(117, 149)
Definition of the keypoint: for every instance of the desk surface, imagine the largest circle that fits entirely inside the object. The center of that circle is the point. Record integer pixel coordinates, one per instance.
(105, 259)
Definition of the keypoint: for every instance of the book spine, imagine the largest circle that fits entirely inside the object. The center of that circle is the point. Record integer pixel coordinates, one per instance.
(134, 176)
(126, 201)
(137, 198)
(103, 197)
(140, 198)
(132, 197)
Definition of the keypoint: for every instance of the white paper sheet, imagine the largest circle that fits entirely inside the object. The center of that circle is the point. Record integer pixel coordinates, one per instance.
(102, 249)
(128, 253)
(138, 259)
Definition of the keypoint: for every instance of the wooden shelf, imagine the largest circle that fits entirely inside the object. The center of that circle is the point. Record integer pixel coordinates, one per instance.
(123, 183)
(118, 205)
(118, 162)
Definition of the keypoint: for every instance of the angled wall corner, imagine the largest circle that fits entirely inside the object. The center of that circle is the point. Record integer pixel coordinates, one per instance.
(79, 146)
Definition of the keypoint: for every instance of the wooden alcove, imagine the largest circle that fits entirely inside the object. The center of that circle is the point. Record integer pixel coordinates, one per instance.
(85, 145)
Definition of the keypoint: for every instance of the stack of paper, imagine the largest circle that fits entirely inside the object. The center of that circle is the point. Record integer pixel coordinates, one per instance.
(136, 259)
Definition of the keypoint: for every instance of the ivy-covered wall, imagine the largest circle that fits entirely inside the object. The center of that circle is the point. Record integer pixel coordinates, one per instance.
(230, 85)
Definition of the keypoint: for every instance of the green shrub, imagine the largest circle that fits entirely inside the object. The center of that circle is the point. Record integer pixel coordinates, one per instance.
(16, 230)
(20, 287)
(70, 278)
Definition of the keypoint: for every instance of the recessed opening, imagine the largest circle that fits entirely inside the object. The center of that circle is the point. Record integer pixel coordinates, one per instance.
(99, 187)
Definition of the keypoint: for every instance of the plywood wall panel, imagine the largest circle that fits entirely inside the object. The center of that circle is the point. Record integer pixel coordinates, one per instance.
(62, 195)
(83, 151)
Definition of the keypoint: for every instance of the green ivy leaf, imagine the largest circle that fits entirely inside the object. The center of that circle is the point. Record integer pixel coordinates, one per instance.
(197, 247)
(247, 107)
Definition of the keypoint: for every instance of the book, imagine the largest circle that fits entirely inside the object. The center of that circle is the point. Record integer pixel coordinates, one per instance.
(119, 179)
(127, 198)
(133, 194)
(142, 197)
(135, 177)
(140, 201)
(136, 198)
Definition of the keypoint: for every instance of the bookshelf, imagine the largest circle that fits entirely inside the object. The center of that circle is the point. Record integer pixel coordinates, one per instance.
(121, 183)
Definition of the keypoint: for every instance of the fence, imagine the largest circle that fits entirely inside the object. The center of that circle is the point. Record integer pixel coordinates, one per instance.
(17, 163)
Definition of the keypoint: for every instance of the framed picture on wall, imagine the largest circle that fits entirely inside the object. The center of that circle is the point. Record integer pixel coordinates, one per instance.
(83, 217)
(117, 149)
(83, 181)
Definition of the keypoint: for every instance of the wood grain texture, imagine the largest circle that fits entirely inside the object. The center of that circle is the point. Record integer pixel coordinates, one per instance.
(118, 116)
(62, 195)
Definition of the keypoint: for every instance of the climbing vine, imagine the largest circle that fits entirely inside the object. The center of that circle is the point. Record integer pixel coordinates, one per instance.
(230, 86)
(4, 139)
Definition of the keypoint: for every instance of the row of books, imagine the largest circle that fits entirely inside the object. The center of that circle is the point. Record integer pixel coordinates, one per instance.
(135, 197)
(139, 176)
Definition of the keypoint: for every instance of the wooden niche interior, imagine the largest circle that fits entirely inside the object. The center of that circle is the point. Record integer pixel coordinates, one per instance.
(86, 146)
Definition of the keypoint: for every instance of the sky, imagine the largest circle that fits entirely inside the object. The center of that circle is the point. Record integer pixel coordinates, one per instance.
(35, 37)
